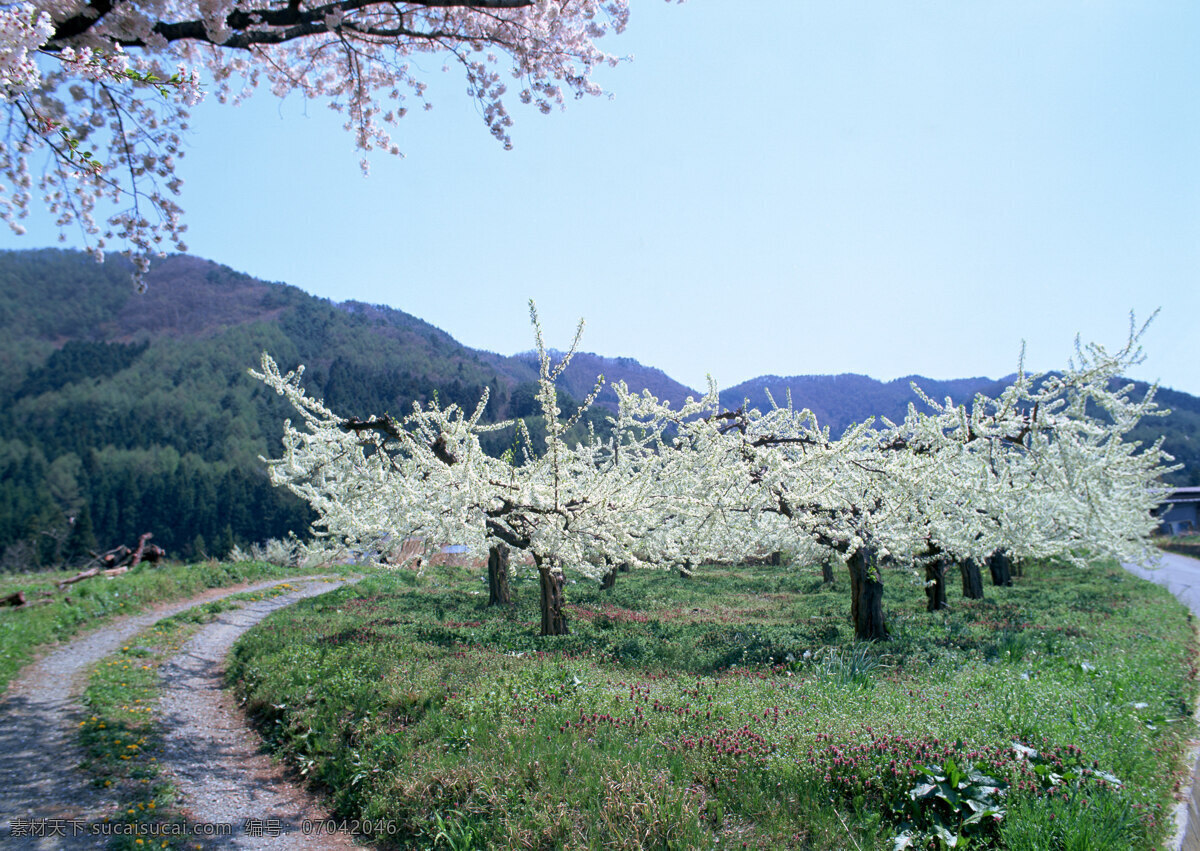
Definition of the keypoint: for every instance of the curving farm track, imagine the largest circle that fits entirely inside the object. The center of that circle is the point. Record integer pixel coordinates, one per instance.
(213, 758)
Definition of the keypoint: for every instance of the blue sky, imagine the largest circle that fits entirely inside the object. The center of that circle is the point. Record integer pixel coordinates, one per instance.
(880, 187)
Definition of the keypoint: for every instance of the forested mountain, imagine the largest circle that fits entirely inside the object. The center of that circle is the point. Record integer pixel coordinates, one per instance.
(123, 413)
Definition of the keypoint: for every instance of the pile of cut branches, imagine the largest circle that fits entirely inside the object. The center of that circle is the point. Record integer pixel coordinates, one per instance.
(118, 560)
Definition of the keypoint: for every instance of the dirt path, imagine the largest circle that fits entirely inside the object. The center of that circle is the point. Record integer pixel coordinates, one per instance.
(40, 712)
(214, 758)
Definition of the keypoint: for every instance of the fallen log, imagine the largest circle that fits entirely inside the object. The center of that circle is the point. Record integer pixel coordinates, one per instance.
(79, 577)
(136, 558)
(17, 598)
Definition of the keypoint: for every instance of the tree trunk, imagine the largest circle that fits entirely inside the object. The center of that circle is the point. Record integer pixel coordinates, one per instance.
(935, 586)
(1017, 567)
(609, 580)
(554, 619)
(1001, 567)
(866, 596)
(827, 571)
(972, 580)
(685, 570)
(624, 567)
(499, 591)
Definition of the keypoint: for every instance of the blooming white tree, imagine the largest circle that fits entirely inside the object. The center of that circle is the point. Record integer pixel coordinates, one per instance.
(426, 477)
(1042, 470)
(97, 92)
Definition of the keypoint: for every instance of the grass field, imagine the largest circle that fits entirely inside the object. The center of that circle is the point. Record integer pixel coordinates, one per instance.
(57, 615)
(734, 710)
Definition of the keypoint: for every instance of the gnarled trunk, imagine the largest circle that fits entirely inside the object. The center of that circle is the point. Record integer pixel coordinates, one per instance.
(499, 591)
(609, 580)
(935, 586)
(827, 571)
(1001, 567)
(866, 596)
(554, 619)
(972, 580)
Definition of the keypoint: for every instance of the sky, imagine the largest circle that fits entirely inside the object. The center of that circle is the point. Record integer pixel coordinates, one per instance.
(869, 186)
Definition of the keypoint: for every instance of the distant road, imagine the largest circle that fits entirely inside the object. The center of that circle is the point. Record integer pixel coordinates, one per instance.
(1180, 574)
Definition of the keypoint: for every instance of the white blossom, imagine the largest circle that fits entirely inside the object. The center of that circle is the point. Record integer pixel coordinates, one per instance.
(103, 98)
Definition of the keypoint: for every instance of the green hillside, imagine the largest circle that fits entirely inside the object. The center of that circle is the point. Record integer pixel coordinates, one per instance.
(122, 413)
(135, 414)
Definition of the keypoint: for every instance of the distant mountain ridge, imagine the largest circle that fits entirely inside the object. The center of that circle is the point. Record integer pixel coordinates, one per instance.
(579, 378)
(134, 413)
(842, 400)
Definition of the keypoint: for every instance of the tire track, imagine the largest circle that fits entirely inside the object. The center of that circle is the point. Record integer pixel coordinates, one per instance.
(212, 756)
(40, 714)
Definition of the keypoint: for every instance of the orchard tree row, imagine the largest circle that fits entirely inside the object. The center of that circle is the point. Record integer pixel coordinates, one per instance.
(1043, 469)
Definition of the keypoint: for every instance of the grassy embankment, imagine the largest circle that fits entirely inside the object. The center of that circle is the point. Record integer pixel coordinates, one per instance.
(734, 710)
(1188, 545)
(94, 601)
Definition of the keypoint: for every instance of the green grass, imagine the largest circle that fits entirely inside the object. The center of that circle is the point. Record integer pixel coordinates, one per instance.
(1188, 545)
(119, 734)
(89, 603)
(731, 710)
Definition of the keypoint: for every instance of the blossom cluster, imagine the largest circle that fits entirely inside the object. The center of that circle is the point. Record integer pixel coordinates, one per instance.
(361, 58)
(23, 31)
